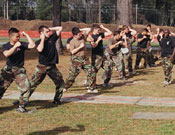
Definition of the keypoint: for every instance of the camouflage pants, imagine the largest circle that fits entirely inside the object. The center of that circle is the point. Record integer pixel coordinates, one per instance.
(119, 63)
(167, 68)
(77, 64)
(128, 61)
(102, 62)
(8, 74)
(141, 53)
(107, 66)
(52, 71)
(151, 58)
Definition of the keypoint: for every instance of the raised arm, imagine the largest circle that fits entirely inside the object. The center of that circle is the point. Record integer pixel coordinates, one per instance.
(58, 29)
(133, 32)
(41, 44)
(31, 42)
(85, 30)
(107, 31)
(9, 52)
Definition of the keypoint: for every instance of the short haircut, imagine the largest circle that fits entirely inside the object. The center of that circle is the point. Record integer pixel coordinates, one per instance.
(12, 30)
(145, 29)
(125, 26)
(95, 26)
(148, 25)
(75, 30)
(121, 29)
(161, 30)
(167, 31)
(117, 32)
(41, 28)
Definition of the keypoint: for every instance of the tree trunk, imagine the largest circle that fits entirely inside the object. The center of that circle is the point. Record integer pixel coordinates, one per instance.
(57, 22)
(124, 12)
(99, 11)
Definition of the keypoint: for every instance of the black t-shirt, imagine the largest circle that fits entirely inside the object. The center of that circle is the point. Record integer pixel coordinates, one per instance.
(144, 42)
(17, 58)
(98, 50)
(128, 35)
(167, 45)
(49, 55)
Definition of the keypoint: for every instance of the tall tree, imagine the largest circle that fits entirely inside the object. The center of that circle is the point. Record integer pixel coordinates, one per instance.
(124, 12)
(57, 22)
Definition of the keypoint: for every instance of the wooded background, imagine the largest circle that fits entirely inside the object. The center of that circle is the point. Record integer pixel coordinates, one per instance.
(159, 12)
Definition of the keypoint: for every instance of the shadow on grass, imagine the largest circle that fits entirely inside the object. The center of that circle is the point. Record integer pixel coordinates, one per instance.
(43, 104)
(56, 131)
(145, 72)
(6, 109)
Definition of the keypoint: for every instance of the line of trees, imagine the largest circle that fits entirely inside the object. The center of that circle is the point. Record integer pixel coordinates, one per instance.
(160, 12)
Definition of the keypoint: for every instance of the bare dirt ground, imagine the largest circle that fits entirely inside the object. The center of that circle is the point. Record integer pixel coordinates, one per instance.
(67, 26)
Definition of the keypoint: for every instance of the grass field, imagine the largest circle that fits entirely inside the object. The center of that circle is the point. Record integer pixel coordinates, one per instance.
(81, 119)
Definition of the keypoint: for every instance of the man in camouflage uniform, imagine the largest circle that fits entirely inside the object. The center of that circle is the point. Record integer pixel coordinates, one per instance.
(14, 70)
(167, 48)
(142, 48)
(48, 58)
(80, 61)
(129, 34)
(113, 53)
(85, 32)
(96, 40)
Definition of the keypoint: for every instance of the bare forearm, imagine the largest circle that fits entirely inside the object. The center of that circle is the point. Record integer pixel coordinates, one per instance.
(9, 52)
(133, 32)
(41, 46)
(108, 32)
(31, 42)
(87, 30)
(74, 51)
(58, 29)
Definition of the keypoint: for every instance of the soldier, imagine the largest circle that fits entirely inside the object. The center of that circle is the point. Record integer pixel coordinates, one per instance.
(142, 48)
(113, 52)
(48, 58)
(151, 60)
(130, 38)
(14, 70)
(85, 31)
(80, 61)
(167, 48)
(96, 40)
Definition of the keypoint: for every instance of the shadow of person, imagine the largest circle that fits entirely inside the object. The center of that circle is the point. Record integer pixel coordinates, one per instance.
(56, 131)
(43, 104)
(6, 109)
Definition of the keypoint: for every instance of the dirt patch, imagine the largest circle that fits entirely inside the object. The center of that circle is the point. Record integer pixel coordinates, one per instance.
(67, 26)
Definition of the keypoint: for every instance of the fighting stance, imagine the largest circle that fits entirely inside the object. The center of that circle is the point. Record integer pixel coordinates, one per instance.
(96, 40)
(80, 61)
(113, 52)
(48, 58)
(142, 48)
(14, 70)
(167, 48)
(130, 38)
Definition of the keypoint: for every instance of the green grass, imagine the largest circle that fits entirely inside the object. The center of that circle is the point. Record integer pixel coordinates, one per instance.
(81, 119)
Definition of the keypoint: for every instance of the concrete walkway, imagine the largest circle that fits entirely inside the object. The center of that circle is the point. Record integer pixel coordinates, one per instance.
(95, 98)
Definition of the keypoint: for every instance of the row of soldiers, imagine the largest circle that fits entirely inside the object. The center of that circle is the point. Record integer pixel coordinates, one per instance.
(119, 48)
